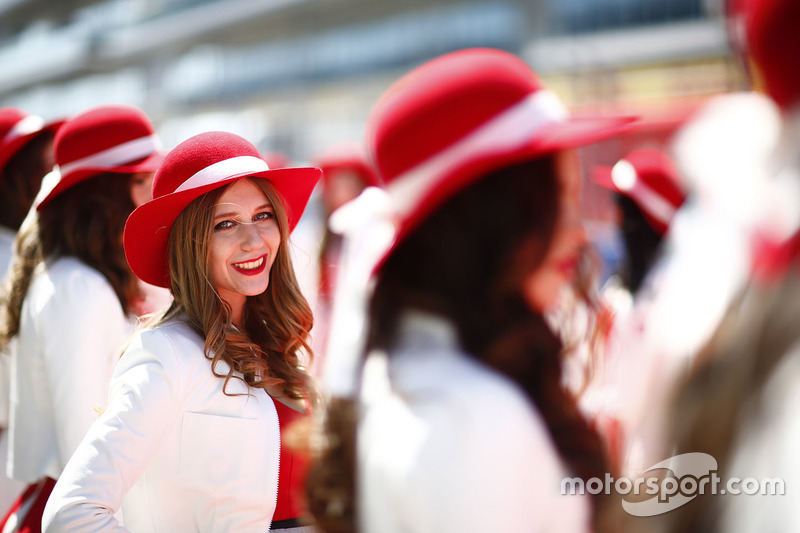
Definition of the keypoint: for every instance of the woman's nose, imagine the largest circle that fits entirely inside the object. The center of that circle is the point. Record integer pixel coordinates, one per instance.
(250, 238)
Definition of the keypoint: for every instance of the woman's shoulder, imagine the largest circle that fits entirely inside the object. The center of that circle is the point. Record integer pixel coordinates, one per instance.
(67, 287)
(174, 335)
(451, 377)
(68, 277)
(64, 269)
(171, 346)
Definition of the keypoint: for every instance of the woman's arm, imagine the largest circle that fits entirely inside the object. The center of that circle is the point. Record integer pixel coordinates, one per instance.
(145, 401)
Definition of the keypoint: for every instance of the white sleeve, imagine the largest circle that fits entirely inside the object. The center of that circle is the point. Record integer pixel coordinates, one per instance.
(5, 382)
(492, 469)
(145, 402)
(83, 330)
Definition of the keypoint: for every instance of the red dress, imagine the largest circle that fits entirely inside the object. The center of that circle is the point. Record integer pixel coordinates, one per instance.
(290, 509)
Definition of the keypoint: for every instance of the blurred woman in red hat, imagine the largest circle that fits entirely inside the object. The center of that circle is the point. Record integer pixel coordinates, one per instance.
(71, 293)
(463, 424)
(648, 192)
(190, 440)
(26, 155)
(346, 172)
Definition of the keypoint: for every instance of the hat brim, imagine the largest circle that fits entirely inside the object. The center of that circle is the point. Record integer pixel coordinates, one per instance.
(9, 150)
(574, 132)
(148, 164)
(147, 230)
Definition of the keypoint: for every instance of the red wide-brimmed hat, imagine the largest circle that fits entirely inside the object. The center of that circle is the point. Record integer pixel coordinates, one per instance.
(196, 166)
(456, 118)
(18, 128)
(766, 32)
(650, 179)
(348, 155)
(112, 138)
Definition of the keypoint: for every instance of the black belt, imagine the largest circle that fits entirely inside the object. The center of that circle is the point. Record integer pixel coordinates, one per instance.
(290, 522)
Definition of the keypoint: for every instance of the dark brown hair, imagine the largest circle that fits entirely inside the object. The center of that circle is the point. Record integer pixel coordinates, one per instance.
(86, 222)
(466, 262)
(21, 177)
(642, 243)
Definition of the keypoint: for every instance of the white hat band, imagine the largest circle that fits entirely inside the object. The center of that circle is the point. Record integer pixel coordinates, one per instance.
(220, 170)
(626, 179)
(655, 205)
(509, 130)
(116, 155)
(25, 126)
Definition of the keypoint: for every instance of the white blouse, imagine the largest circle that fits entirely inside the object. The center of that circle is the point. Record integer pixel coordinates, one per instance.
(172, 451)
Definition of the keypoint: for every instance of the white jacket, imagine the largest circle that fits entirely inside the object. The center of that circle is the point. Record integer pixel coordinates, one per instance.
(7, 237)
(72, 331)
(6, 253)
(171, 450)
(9, 488)
(454, 447)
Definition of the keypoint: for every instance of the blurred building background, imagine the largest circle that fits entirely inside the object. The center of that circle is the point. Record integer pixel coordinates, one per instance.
(296, 76)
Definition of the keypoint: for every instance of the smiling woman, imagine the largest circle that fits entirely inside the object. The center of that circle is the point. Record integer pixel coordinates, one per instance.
(244, 242)
(191, 436)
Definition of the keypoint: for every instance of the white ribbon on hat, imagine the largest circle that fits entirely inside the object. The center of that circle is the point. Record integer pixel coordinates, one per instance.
(220, 170)
(25, 126)
(509, 130)
(625, 177)
(116, 155)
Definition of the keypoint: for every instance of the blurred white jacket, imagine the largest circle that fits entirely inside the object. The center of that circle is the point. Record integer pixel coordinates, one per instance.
(724, 152)
(171, 450)
(6, 249)
(72, 331)
(9, 488)
(450, 445)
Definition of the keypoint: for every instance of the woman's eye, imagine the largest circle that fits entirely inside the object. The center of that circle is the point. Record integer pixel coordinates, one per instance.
(264, 215)
(225, 224)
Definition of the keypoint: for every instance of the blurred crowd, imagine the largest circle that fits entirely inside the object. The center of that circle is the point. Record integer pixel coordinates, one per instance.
(440, 345)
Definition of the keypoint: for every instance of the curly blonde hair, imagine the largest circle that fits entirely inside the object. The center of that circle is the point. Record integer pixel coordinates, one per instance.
(270, 349)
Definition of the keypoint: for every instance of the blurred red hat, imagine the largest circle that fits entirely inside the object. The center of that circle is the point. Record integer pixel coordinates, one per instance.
(348, 155)
(458, 117)
(650, 179)
(107, 138)
(18, 128)
(277, 160)
(771, 39)
(198, 165)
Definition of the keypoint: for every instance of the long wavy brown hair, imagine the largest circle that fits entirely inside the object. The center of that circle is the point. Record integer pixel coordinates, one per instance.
(272, 348)
(85, 221)
(21, 177)
(466, 263)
